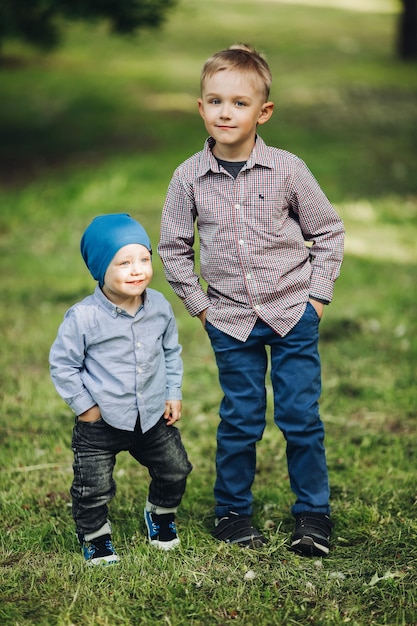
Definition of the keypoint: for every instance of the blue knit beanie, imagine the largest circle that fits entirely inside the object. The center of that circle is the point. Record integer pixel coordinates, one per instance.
(104, 238)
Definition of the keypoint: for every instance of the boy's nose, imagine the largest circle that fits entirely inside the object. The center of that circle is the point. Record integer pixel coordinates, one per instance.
(225, 111)
(136, 268)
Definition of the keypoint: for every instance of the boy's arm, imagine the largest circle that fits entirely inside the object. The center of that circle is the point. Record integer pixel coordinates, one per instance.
(173, 371)
(66, 359)
(322, 226)
(176, 247)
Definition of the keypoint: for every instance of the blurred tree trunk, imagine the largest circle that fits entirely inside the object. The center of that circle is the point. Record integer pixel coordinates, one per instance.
(407, 40)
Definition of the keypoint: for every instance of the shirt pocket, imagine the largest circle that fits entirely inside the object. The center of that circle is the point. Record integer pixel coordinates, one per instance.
(266, 213)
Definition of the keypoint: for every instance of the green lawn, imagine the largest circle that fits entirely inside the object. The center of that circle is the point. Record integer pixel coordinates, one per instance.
(98, 126)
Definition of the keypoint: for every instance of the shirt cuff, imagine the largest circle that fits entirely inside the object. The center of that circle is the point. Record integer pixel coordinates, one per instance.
(321, 288)
(197, 303)
(81, 403)
(173, 393)
(319, 299)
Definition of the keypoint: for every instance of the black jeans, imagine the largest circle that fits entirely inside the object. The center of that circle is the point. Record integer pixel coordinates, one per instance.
(95, 447)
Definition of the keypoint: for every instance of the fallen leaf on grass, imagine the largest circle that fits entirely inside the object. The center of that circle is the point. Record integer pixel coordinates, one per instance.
(387, 576)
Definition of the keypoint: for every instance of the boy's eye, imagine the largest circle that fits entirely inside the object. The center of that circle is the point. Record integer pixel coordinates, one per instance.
(214, 101)
(239, 103)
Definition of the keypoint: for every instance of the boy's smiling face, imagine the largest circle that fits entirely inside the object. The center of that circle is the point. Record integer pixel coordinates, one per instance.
(129, 273)
(232, 104)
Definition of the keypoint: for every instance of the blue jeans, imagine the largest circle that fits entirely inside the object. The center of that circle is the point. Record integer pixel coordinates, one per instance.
(95, 448)
(296, 382)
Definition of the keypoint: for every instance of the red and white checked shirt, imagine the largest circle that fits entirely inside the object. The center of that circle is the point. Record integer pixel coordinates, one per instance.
(252, 233)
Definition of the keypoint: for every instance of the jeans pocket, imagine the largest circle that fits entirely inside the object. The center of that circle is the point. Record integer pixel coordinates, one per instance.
(312, 311)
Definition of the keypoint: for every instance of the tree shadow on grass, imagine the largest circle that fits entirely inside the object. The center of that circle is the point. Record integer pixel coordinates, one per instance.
(41, 137)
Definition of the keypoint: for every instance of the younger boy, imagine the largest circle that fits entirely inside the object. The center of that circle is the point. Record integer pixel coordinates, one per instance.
(255, 206)
(116, 362)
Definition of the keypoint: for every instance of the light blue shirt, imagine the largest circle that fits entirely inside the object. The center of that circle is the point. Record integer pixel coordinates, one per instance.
(125, 364)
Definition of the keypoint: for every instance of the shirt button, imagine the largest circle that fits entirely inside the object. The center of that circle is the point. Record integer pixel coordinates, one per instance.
(241, 241)
(248, 276)
(257, 307)
(138, 345)
(139, 370)
(237, 207)
(118, 310)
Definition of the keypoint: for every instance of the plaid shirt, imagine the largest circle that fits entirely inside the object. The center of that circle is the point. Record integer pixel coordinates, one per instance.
(252, 235)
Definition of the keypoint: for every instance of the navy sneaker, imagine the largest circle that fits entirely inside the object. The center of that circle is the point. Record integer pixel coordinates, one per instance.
(100, 551)
(237, 529)
(312, 534)
(162, 531)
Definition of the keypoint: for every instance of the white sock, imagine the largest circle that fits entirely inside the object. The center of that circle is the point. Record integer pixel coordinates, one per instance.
(104, 530)
(159, 510)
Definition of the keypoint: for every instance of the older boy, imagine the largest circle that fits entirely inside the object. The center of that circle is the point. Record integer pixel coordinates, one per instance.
(255, 206)
(116, 362)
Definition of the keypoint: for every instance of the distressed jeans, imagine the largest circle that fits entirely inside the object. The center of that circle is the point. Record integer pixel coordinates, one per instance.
(95, 447)
(296, 382)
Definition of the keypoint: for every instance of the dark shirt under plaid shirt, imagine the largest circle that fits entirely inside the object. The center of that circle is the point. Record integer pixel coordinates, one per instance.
(253, 232)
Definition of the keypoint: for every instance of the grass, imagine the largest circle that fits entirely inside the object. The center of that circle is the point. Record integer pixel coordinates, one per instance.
(98, 126)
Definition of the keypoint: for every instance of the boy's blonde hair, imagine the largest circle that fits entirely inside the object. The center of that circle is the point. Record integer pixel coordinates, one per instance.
(241, 57)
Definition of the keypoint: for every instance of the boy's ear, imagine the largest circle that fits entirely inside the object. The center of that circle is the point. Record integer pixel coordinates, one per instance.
(266, 112)
(200, 107)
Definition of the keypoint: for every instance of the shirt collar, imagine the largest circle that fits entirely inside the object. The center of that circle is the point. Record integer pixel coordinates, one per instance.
(112, 308)
(259, 156)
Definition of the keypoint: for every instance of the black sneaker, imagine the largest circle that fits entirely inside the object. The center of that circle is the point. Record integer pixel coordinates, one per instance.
(312, 534)
(100, 551)
(237, 529)
(162, 531)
